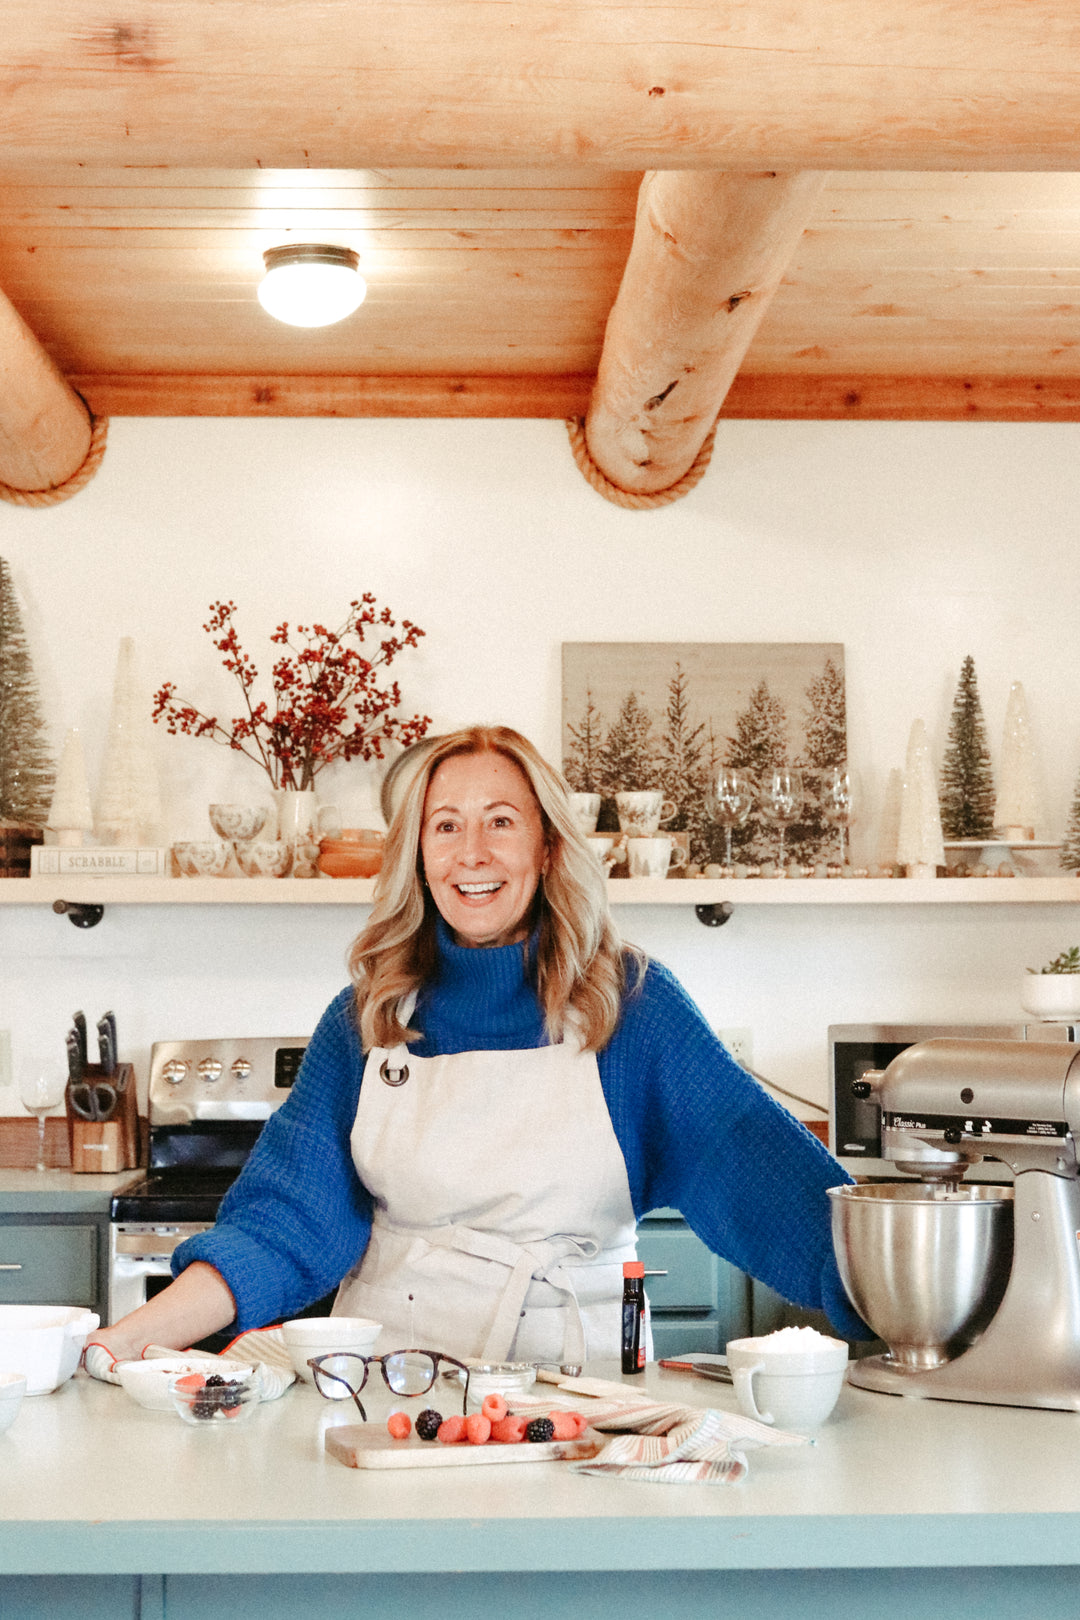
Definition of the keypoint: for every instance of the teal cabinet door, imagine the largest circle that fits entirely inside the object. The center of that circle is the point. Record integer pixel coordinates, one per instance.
(48, 1265)
(697, 1301)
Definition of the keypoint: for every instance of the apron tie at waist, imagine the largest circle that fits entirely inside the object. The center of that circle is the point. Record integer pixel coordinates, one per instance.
(548, 1260)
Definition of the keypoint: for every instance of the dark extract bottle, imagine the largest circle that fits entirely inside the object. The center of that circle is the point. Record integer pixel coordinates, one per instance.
(633, 1316)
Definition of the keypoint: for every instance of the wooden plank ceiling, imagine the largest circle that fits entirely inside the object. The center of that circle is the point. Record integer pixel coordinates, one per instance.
(925, 293)
(149, 155)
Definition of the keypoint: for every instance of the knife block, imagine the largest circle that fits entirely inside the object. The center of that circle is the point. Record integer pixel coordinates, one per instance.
(106, 1146)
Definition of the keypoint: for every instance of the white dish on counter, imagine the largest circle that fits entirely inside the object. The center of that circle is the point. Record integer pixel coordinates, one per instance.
(309, 1336)
(12, 1390)
(44, 1342)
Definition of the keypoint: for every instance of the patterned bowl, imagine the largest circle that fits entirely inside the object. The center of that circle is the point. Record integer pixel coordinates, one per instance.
(271, 857)
(202, 859)
(239, 823)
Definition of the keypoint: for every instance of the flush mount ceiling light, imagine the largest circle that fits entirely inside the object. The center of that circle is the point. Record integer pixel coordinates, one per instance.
(311, 283)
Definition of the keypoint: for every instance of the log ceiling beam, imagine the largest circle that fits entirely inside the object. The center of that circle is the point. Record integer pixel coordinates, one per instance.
(715, 84)
(708, 254)
(45, 428)
(763, 396)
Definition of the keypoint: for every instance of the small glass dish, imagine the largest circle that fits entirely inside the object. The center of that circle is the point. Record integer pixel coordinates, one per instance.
(215, 1401)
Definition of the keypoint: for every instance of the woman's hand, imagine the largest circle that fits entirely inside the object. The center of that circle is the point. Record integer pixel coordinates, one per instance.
(197, 1303)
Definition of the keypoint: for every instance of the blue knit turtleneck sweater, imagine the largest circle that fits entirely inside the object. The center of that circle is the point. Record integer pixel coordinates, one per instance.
(698, 1134)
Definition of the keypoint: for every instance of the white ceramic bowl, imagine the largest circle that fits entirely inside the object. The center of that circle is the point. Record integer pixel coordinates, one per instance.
(320, 1335)
(147, 1382)
(43, 1342)
(1051, 996)
(12, 1390)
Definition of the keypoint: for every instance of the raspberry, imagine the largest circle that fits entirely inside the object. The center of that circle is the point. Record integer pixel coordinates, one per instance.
(494, 1407)
(509, 1430)
(477, 1429)
(451, 1430)
(564, 1426)
(427, 1424)
(539, 1430)
(398, 1424)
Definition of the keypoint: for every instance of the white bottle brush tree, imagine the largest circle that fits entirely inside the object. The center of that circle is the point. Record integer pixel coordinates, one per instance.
(26, 766)
(919, 846)
(129, 798)
(69, 814)
(1017, 809)
(967, 780)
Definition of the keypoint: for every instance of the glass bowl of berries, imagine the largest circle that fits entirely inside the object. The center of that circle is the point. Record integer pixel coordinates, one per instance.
(218, 1399)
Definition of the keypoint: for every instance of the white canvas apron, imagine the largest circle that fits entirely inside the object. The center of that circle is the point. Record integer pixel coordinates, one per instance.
(502, 1207)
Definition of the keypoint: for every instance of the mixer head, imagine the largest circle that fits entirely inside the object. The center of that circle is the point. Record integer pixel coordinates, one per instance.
(948, 1103)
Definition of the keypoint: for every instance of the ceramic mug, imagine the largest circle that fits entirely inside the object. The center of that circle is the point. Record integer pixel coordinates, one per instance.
(641, 814)
(654, 857)
(794, 1389)
(586, 810)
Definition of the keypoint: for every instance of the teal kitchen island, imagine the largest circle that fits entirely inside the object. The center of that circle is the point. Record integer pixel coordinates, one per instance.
(900, 1507)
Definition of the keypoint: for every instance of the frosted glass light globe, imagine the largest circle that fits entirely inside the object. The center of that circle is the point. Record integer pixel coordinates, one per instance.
(309, 284)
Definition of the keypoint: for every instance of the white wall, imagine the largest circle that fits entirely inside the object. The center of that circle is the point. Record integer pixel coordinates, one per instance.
(913, 544)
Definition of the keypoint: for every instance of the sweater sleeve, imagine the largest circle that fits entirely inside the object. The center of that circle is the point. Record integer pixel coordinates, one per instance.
(297, 1217)
(702, 1136)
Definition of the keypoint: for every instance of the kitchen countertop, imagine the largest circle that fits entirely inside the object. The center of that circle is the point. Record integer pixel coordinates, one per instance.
(60, 1192)
(90, 1482)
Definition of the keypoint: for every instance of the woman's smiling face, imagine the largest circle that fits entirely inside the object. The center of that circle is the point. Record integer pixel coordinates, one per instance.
(483, 847)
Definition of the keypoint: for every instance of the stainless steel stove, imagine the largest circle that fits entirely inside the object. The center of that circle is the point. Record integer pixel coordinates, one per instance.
(208, 1101)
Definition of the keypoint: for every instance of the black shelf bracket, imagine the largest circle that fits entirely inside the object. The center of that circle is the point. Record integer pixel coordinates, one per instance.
(715, 914)
(79, 912)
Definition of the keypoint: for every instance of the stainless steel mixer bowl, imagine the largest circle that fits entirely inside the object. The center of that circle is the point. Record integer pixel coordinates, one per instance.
(925, 1266)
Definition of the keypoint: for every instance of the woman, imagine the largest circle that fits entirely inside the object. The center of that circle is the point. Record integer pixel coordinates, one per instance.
(481, 1119)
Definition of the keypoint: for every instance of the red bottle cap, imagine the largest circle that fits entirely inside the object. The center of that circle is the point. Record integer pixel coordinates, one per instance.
(633, 1268)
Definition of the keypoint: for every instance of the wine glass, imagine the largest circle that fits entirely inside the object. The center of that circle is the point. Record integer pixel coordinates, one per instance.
(729, 802)
(840, 802)
(782, 802)
(41, 1090)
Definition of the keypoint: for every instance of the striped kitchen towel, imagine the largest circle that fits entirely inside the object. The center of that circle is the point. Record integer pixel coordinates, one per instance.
(681, 1445)
(660, 1441)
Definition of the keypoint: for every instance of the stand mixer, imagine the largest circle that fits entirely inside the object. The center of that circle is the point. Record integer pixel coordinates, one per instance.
(974, 1288)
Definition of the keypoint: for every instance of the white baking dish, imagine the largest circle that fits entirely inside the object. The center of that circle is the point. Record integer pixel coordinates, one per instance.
(44, 1342)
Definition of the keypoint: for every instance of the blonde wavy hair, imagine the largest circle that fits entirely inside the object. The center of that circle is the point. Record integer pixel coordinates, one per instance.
(582, 969)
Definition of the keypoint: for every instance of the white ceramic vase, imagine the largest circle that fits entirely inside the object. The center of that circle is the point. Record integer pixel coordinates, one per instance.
(296, 814)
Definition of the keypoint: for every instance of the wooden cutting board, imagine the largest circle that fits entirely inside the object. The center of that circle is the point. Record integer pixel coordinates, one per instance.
(369, 1446)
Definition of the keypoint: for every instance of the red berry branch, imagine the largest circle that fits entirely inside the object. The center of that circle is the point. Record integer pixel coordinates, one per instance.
(327, 703)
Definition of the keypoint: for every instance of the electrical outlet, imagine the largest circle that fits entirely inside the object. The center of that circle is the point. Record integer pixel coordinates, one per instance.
(6, 1078)
(740, 1044)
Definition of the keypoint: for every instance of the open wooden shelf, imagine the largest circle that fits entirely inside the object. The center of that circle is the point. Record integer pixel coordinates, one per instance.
(1063, 890)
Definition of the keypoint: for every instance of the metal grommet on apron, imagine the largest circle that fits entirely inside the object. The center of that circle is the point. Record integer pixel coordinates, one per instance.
(502, 1207)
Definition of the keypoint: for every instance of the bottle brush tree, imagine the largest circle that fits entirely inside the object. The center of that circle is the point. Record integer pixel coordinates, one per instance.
(967, 780)
(26, 766)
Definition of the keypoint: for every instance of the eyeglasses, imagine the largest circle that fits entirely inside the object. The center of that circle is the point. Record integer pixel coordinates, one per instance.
(405, 1372)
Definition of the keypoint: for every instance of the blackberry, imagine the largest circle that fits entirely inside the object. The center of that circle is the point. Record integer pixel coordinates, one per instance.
(427, 1424)
(539, 1430)
(215, 1381)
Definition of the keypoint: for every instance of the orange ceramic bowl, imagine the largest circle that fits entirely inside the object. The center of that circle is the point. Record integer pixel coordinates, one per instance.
(354, 853)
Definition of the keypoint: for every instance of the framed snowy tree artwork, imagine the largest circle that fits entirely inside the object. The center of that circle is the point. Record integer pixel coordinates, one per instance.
(668, 715)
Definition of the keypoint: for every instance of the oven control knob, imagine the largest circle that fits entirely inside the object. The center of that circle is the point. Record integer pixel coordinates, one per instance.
(174, 1071)
(210, 1069)
(241, 1069)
